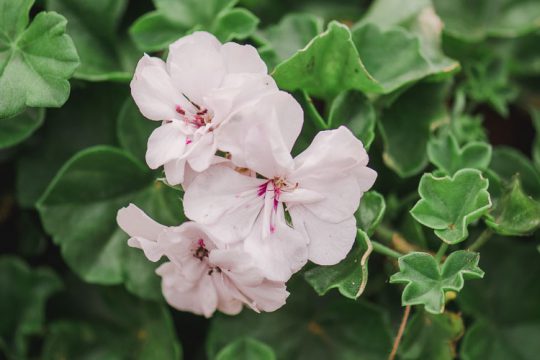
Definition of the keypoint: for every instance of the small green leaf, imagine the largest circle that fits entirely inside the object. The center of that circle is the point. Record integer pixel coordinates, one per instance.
(507, 162)
(35, 62)
(22, 304)
(350, 276)
(133, 129)
(246, 349)
(515, 214)
(449, 205)
(353, 110)
(19, 127)
(388, 13)
(79, 211)
(371, 211)
(426, 281)
(535, 114)
(293, 32)
(309, 327)
(406, 125)
(154, 31)
(430, 336)
(93, 25)
(475, 21)
(235, 23)
(108, 323)
(445, 153)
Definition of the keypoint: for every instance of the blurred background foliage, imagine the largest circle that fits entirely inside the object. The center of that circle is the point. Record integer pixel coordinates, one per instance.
(427, 85)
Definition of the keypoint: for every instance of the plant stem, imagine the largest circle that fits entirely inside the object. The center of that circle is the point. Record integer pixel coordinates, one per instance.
(385, 233)
(314, 113)
(441, 252)
(385, 250)
(399, 335)
(481, 240)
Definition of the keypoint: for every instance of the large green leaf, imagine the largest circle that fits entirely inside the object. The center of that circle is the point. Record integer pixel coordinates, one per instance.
(246, 349)
(293, 32)
(445, 153)
(507, 162)
(87, 119)
(19, 127)
(449, 205)
(108, 323)
(310, 327)
(349, 276)
(427, 281)
(429, 336)
(352, 109)
(93, 25)
(406, 125)
(515, 214)
(504, 304)
(35, 62)
(79, 210)
(234, 24)
(22, 304)
(474, 21)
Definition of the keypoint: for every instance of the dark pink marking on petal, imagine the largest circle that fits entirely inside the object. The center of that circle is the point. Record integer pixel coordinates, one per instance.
(188, 141)
(262, 189)
(180, 110)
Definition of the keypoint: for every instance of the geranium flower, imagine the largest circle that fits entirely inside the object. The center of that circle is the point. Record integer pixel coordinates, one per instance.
(320, 189)
(202, 83)
(201, 274)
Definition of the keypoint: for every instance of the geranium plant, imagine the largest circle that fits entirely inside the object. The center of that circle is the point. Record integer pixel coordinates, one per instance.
(223, 179)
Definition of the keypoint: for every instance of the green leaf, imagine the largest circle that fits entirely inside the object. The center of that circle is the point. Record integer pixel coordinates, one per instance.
(93, 25)
(449, 205)
(406, 125)
(19, 127)
(515, 214)
(476, 21)
(427, 281)
(246, 349)
(133, 129)
(154, 31)
(309, 327)
(234, 24)
(504, 305)
(79, 210)
(87, 119)
(429, 336)
(445, 153)
(349, 276)
(353, 110)
(293, 32)
(22, 304)
(108, 323)
(35, 61)
(506, 162)
(535, 114)
(371, 211)
(385, 13)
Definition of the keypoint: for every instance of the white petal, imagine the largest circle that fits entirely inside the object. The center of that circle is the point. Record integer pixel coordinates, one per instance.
(153, 90)
(175, 171)
(242, 59)
(166, 143)
(200, 153)
(268, 296)
(136, 223)
(198, 37)
(329, 243)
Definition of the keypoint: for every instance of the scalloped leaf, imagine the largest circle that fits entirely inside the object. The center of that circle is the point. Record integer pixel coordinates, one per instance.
(449, 205)
(427, 281)
(24, 294)
(445, 153)
(515, 214)
(349, 276)
(17, 128)
(36, 60)
(371, 211)
(246, 349)
(79, 208)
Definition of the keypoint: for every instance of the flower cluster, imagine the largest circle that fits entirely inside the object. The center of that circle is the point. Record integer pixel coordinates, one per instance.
(257, 214)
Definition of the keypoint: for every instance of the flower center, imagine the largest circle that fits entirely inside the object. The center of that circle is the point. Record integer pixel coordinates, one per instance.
(201, 252)
(272, 190)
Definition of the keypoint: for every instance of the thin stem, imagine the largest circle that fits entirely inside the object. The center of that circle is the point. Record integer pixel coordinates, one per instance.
(314, 113)
(385, 233)
(385, 250)
(481, 240)
(401, 330)
(441, 252)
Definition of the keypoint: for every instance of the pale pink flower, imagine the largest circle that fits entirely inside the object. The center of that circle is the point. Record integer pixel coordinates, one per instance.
(321, 190)
(202, 83)
(201, 274)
